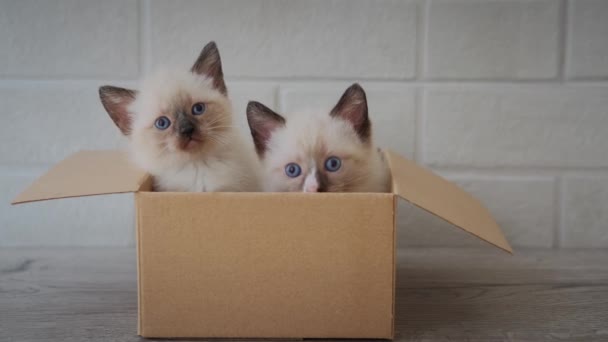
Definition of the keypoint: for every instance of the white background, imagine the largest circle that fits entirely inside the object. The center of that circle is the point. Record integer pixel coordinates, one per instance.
(507, 97)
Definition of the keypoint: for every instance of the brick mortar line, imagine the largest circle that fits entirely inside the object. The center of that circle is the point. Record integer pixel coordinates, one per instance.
(144, 36)
(563, 39)
(457, 172)
(558, 203)
(278, 100)
(420, 123)
(520, 173)
(422, 39)
(305, 81)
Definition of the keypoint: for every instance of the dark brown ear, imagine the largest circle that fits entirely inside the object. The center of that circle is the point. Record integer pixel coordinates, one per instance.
(209, 63)
(116, 101)
(352, 107)
(262, 122)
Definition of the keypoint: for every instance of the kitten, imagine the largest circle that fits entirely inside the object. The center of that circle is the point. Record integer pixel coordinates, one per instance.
(180, 129)
(319, 151)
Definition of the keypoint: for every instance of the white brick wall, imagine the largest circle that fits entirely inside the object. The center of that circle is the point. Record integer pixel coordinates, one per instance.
(508, 98)
(328, 39)
(481, 39)
(588, 48)
(69, 38)
(523, 126)
(394, 108)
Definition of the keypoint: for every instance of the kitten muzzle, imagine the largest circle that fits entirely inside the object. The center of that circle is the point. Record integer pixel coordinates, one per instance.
(315, 183)
(322, 181)
(185, 128)
(187, 131)
(188, 143)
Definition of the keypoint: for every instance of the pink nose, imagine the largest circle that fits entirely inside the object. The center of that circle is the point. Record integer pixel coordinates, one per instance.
(311, 188)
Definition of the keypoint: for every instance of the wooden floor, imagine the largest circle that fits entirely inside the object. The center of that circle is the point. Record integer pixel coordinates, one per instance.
(442, 294)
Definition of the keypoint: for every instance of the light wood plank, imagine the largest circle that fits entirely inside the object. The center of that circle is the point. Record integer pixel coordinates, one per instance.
(442, 294)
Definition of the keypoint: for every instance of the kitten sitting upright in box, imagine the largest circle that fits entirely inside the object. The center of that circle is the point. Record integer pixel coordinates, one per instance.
(319, 151)
(180, 129)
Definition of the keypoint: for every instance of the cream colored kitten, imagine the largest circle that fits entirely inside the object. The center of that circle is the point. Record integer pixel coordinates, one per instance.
(180, 129)
(319, 151)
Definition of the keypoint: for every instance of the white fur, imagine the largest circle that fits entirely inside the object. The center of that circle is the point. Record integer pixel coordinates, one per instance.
(311, 183)
(309, 138)
(225, 164)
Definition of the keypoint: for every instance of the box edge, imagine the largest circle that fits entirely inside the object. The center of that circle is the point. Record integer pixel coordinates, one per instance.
(138, 242)
(395, 206)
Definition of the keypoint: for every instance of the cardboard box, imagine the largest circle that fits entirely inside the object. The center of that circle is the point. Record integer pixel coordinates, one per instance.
(266, 265)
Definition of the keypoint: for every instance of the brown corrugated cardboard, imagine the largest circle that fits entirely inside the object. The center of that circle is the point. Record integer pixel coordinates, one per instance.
(444, 199)
(266, 265)
(86, 173)
(283, 265)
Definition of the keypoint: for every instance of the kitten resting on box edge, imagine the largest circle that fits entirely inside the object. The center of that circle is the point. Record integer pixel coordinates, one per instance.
(319, 151)
(180, 129)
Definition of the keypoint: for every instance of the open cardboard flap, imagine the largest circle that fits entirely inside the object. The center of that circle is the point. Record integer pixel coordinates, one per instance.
(86, 173)
(444, 199)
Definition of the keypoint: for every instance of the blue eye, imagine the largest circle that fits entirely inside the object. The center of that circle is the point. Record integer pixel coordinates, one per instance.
(162, 123)
(198, 108)
(332, 164)
(293, 170)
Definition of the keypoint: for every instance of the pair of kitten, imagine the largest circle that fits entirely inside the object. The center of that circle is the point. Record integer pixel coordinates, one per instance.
(181, 131)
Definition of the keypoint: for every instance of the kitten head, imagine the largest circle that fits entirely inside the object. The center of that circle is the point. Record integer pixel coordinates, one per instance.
(176, 116)
(319, 151)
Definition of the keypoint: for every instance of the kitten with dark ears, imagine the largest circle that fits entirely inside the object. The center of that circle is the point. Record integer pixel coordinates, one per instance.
(319, 151)
(180, 129)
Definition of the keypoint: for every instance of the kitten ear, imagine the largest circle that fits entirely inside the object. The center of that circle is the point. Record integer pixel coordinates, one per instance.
(209, 63)
(262, 122)
(352, 107)
(116, 101)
